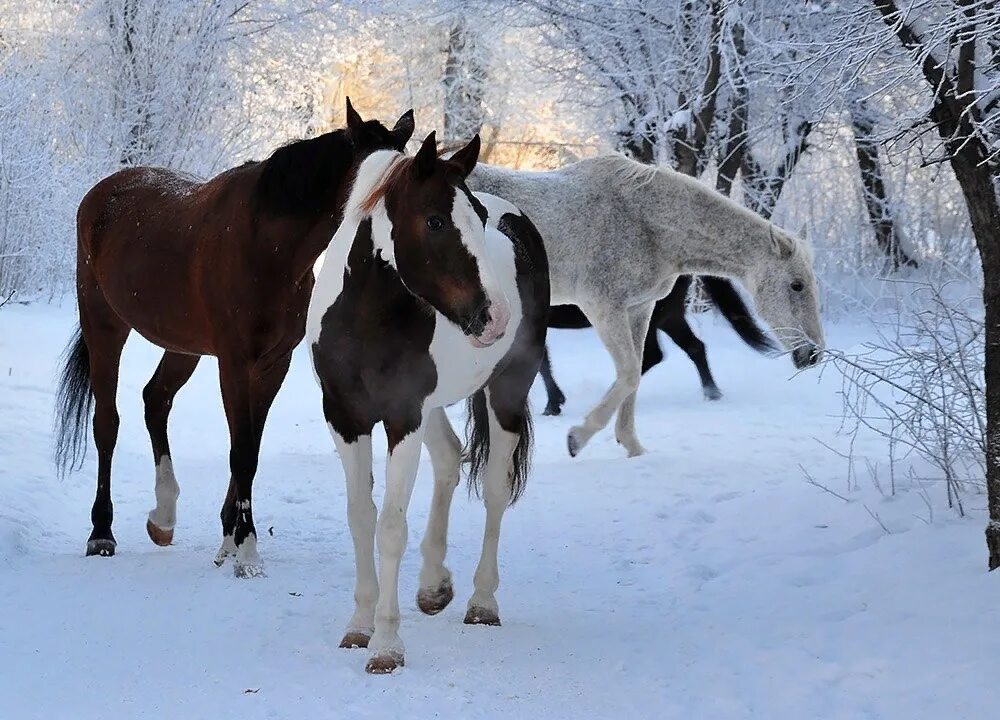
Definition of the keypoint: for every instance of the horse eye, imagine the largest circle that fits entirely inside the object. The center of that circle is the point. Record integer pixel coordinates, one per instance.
(435, 222)
(797, 286)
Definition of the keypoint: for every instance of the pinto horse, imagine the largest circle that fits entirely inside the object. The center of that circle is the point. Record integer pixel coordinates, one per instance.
(428, 295)
(219, 268)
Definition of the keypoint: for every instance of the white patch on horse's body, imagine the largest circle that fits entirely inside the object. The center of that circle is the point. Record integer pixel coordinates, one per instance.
(618, 234)
(164, 515)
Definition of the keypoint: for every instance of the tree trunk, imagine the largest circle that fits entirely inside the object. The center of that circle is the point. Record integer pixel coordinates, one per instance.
(135, 147)
(984, 211)
(464, 85)
(734, 146)
(956, 117)
(689, 141)
(887, 233)
(762, 186)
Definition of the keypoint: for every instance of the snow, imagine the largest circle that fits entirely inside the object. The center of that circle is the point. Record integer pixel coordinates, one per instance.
(705, 579)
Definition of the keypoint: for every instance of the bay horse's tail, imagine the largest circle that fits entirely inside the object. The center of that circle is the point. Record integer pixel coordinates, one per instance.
(727, 298)
(477, 446)
(74, 399)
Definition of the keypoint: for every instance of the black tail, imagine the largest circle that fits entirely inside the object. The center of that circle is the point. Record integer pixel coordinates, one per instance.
(74, 400)
(477, 447)
(727, 298)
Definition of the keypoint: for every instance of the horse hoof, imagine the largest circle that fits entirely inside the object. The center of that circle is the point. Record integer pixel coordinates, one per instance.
(574, 443)
(635, 451)
(248, 571)
(228, 548)
(384, 663)
(103, 547)
(158, 535)
(481, 616)
(552, 410)
(431, 601)
(713, 393)
(355, 639)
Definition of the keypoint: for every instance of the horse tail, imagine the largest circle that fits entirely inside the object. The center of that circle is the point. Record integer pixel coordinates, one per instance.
(477, 449)
(74, 399)
(727, 298)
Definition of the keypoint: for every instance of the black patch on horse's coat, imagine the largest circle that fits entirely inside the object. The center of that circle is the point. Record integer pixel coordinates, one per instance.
(476, 205)
(373, 353)
(298, 177)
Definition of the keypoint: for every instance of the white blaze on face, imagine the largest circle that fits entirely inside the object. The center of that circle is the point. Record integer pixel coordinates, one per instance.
(473, 236)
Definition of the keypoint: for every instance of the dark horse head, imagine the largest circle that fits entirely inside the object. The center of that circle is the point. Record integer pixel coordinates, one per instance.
(371, 135)
(433, 232)
(306, 178)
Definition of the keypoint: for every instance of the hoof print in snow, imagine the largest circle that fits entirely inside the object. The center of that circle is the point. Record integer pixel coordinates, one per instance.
(102, 547)
(248, 571)
(384, 663)
(431, 601)
(354, 640)
(481, 616)
(158, 535)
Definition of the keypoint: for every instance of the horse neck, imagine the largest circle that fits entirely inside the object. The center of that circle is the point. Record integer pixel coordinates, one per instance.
(710, 235)
(314, 237)
(341, 227)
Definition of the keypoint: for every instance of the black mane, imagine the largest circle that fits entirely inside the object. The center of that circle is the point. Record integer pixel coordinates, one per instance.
(297, 178)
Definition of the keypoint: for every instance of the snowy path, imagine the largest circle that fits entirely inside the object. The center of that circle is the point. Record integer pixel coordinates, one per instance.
(703, 580)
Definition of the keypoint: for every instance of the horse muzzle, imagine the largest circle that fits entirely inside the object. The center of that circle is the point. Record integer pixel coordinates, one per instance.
(489, 324)
(806, 356)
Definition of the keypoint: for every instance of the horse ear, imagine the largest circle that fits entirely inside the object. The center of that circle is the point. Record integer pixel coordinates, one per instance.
(403, 129)
(354, 121)
(781, 244)
(467, 157)
(427, 156)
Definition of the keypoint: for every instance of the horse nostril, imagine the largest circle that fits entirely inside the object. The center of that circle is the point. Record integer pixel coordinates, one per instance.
(483, 316)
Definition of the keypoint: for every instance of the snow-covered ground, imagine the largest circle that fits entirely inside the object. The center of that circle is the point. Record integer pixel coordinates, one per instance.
(706, 579)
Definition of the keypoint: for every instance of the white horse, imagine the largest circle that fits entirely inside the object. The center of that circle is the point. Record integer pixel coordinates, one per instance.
(428, 295)
(619, 233)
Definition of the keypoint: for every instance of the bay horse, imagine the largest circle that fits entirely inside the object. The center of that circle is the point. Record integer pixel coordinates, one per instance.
(428, 295)
(618, 235)
(221, 268)
(669, 316)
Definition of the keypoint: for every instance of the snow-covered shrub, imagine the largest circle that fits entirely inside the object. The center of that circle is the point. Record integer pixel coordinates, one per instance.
(920, 385)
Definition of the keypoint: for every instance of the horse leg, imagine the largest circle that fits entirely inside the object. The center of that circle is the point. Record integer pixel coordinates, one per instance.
(497, 492)
(173, 371)
(617, 338)
(680, 332)
(105, 336)
(247, 393)
(625, 424)
(356, 457)
(445, 449)
(555, 395)
(390, 533)
(652, 354)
